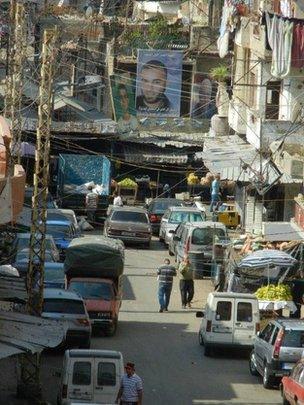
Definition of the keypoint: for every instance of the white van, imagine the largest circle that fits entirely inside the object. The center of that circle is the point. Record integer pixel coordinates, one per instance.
(229, 320)
(90, 376)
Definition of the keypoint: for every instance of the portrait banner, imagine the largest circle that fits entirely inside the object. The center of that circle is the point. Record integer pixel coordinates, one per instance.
(123, 101)
(203, 97)
(158, 83)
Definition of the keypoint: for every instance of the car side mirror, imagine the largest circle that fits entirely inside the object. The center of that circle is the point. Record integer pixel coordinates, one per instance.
(176, 238)
(258, 333)
(200, 314)
(172, 231)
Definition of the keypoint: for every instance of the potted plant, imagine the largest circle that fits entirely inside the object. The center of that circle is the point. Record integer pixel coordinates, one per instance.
(220, 74)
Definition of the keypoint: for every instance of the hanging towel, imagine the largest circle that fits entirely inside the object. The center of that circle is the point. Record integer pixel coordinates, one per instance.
(280, 35)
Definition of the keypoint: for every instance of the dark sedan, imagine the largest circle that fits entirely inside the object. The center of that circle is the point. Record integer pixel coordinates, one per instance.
(157, 208)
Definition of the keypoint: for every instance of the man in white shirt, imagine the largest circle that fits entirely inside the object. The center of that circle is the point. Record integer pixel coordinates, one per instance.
(117, 200)
(131, 387)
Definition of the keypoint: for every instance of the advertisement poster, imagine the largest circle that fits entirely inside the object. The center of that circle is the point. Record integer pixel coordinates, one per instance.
(158, 83)
(203, 96)
(123, 97)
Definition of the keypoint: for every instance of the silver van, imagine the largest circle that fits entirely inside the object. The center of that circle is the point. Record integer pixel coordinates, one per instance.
(228, 320)
(90, 376)
(203, 242)
(276, 349)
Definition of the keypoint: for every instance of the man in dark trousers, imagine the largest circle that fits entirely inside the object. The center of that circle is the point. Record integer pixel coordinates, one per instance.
(186, 283)
(165, 281)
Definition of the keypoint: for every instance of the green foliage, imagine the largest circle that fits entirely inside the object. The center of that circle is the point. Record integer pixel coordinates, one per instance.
(158, 28)
(219, 73)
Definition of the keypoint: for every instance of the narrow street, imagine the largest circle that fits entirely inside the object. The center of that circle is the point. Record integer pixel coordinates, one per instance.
(165, 347)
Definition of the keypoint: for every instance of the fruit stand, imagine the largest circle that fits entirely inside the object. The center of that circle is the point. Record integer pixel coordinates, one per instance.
(127, 189)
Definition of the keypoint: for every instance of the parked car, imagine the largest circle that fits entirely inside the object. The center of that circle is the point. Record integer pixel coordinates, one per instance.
(203, 242)
(64, 214)
(174, 216)
(276, 349)
(22, 257)
(129, 224)
(228, 320)
(69, 307)
(158, 207)
(292, 387)
(63, 231)
(90, 376)
(54, 276)
(22, 241)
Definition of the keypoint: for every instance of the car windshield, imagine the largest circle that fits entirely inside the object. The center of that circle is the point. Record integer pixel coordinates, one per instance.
(93, 290)
(53, 274)
(206, 236)
(293, 338)
(24, 243)
(129, 216)
(180, 216)
(161, 206)
(23, 256)
(63, 306)
(58, 231)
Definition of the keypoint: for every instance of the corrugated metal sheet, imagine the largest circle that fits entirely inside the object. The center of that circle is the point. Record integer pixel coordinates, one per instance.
(166, 138)
(12, 288)
(224, 155)
(21, 333)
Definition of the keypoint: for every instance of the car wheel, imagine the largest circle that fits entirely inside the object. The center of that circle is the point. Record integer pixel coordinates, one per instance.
(208, 351)
(200, 339)
(86, 344)
(111, 330)
(267, 378)
(252, 364)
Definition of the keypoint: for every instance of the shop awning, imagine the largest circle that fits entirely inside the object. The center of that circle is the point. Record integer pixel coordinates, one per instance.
(267, 257)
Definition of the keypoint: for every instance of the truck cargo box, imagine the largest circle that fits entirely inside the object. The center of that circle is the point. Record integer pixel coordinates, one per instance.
(94, 256)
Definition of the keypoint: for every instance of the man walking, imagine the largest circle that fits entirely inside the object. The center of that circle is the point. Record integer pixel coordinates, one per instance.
(131, 387)
(186, 283)
(91, 204)
(165, 281)
(215, 192)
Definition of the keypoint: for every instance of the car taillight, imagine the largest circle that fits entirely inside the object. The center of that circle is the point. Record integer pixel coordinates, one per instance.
(153, 218)
(208, 326)
(64, 392)
(187, 247)
(257, 327)
(83, 321)
(278, 344)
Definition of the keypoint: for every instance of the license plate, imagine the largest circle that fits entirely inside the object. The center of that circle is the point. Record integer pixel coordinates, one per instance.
(128, 233)
(287, 366)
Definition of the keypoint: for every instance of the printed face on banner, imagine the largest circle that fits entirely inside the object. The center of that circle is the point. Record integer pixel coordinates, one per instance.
(203, 96)
(123, 95)
(158, 84)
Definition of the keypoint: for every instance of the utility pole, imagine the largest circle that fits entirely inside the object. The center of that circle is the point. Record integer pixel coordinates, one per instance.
(30, 364)
(13, 97)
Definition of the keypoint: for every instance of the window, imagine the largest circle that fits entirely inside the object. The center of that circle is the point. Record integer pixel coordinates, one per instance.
(244, 312)
(179, 216)
(205, 236)
(301, 375)
(274, 336)
(82, 373)
(223, 311)
(93, 290)
(273, 90)
(129, 216)
(293, 338)
(106, 374)
(63, 306)
(297, 371)
(267, 332)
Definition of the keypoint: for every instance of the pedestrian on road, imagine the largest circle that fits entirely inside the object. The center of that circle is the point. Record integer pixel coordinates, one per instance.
(117, 200)
(131, 387)
(165, 281)
(186, 283)
(166, 190)
(91, 204)
(215, 192)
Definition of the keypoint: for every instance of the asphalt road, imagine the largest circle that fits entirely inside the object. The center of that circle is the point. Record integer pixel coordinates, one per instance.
(164, 347)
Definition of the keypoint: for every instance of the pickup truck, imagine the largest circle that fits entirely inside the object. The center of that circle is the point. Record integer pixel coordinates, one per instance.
(94, 268)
